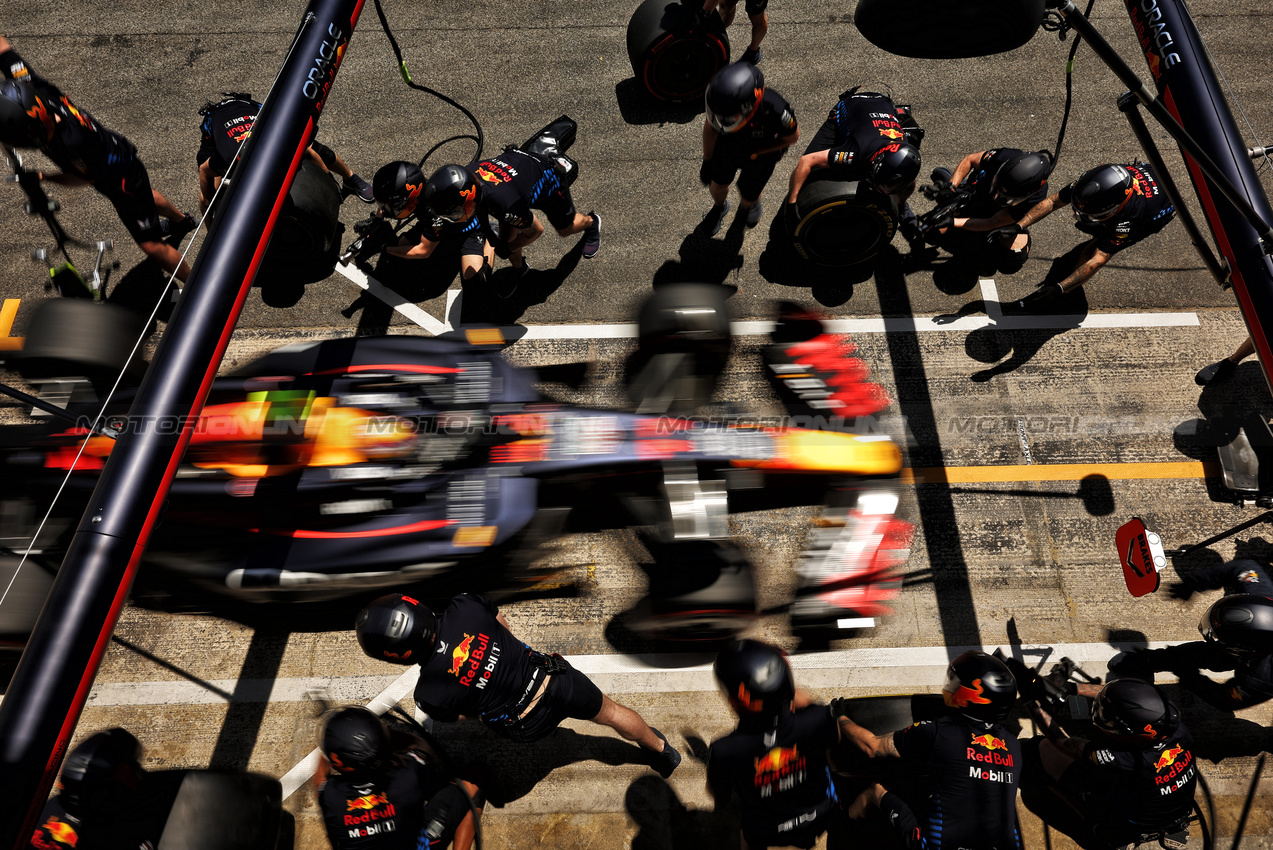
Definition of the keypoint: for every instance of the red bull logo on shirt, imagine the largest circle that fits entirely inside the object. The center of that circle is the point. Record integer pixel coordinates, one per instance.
(367, 802)
(891, 133)
(996, 750)
(779, 769)
(460, 654)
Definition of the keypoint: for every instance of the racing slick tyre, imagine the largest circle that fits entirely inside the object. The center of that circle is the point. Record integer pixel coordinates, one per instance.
(700, 590)
(77, 338)
(673, 56)
(306, 239)
(683, 344)
(841, 222)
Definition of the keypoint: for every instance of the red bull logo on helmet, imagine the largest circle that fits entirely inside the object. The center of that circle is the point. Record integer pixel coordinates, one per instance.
(963, 695)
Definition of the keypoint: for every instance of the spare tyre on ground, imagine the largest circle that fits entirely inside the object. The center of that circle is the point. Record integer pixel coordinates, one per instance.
(673, 56)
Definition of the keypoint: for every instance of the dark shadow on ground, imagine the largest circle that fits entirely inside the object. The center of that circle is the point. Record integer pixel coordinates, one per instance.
(664, 823)
(513, 770)
(140, 289)
(482, 306)
(1018, 346)
(413, 280)
(242, 723)
(704, 259)
(1241, 402)
(830, 286)
(638, 106)
(937, 518)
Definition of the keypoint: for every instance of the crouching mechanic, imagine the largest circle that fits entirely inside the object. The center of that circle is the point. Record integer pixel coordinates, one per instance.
(35, 114)
(105, 799)
(508, 188)
(1137, 777)
(973, 762)
(1117, 205)
(1004, 184)
(471, 665)
(776, 760)
(399, 188)
(225, 126)
(748, 129)
(1238, 632)
(378, 793)
(865, 137)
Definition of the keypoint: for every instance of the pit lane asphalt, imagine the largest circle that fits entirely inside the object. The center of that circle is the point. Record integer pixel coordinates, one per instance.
(1036, 553)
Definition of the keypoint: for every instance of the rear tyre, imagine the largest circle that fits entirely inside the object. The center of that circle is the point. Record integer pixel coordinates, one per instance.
(672, 56)
(842, 222)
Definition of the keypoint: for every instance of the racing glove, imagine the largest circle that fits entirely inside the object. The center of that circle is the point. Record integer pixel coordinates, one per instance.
(840, 707)
(705, 172)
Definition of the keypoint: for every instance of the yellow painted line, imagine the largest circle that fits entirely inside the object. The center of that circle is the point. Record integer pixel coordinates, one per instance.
(1060, 472)
(8, 312)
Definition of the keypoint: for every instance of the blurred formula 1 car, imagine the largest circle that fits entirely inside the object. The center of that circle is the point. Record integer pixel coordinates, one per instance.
(335, 468)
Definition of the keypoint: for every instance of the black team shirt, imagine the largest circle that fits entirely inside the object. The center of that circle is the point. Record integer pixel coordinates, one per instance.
(478, 668)
(973, 771)
(780, 774)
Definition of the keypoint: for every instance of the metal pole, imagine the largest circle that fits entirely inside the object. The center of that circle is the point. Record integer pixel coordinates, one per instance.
(53, 679)
(1216, 156)
(1073, 17)
(1127, 102)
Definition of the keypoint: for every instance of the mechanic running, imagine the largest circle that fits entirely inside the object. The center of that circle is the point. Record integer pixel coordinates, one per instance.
(398, 187)
(776, 760)
(1238, 632)
(35, 114)
(508, 187)
(973, 763)
(471, 665)
(866, 136)
(383, 792)
(1004, 184)
(748, 129)
(228, 122)
(105, 799)
(1118, 206)
(1137, 777)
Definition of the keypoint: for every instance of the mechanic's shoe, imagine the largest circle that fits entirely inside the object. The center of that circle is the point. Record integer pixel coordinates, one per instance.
(176, 230)
(592, 237)
(753, 214)
(508, 282)
(1215, 373)
(752, 56)
(361, 188)
(1039, 301)
(712, 221)
(666, 761)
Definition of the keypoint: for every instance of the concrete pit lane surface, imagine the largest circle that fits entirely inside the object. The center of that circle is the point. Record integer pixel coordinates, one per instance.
(1031, 439)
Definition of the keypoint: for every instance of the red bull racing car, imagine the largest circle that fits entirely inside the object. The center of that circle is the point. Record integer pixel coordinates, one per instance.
(348, 466)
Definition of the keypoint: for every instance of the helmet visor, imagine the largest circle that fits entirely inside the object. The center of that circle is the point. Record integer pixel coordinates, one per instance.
(399, 207)
(1004, 198)
(727, 123)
